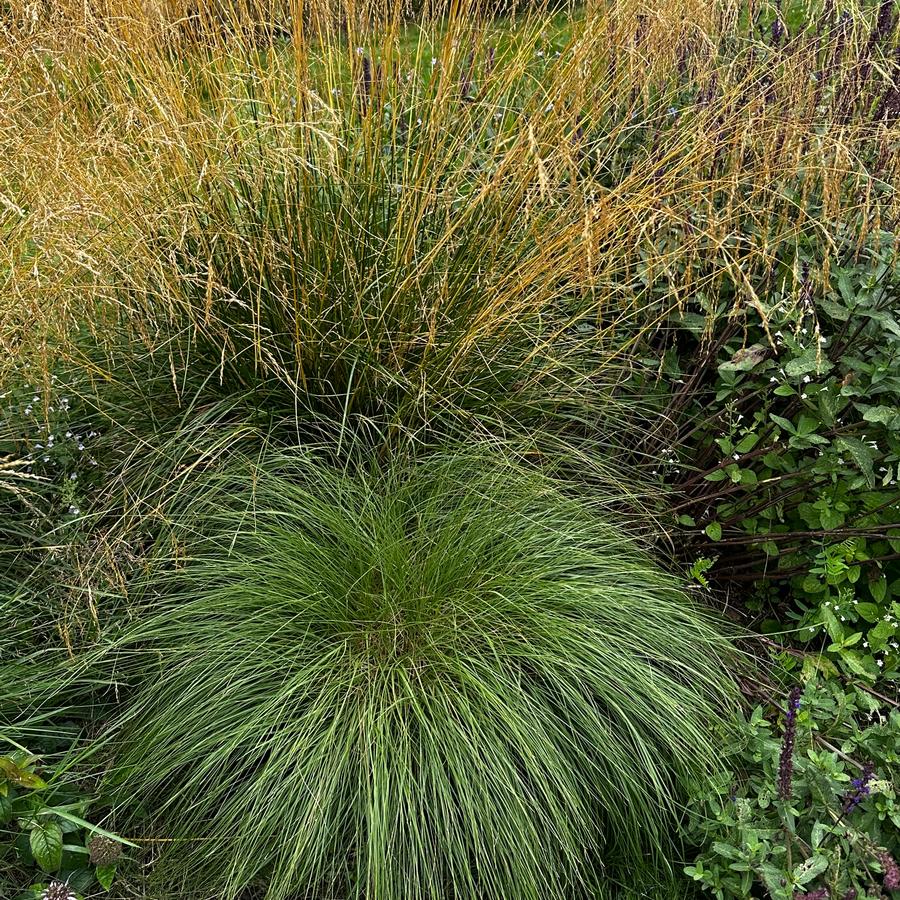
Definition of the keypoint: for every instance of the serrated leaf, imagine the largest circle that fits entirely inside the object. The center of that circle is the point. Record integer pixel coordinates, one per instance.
(882, 415)
(810, 868)
(727, 850)
(819, 830)
(774, 880)
(861, 454)
(46, 842)
(745, 359)
(808, 361)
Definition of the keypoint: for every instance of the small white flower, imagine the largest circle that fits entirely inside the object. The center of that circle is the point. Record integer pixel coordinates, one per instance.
(736, 456)
(804, 396)
(880, 662)
(806, 379)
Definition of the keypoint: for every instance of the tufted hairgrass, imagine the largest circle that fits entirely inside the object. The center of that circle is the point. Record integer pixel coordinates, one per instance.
(450, 680)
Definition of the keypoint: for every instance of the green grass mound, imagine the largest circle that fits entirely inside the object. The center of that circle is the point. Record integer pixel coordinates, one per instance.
(450, 681)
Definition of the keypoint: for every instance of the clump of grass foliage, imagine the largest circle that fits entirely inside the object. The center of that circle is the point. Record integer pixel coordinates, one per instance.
(449, 680)
(231, 228)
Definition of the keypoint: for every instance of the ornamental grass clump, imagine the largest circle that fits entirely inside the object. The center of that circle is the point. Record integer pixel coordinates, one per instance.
(450, 680)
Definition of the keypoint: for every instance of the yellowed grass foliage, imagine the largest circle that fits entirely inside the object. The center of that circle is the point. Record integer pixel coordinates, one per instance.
(124, 120)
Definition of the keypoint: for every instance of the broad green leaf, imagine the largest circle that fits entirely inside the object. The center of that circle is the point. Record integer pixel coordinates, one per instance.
(46, 842)
(878, 588)
(783, 423)
(714, 531)
(868, 611)
(19, 775)
(105, 875)
(747, 442)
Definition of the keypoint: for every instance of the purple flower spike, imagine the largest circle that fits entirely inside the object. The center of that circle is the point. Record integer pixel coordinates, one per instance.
(786, 763)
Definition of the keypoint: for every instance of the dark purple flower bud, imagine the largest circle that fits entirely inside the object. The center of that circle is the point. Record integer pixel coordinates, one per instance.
(786, 762)
(884, 25)
(465, 80)
(365, 85)
(891, 871)
(840, 46)
(640, 30)
(706, 94)
(851, 894)
(859, 788)
(778, 31)
(825, 18)
(684, 53)
(817, 894)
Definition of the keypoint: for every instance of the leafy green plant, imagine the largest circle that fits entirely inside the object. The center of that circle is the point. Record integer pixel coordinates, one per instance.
(43, 829)
(449, 680)
(810, 809)
(786, 451)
